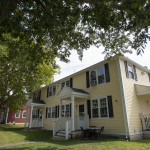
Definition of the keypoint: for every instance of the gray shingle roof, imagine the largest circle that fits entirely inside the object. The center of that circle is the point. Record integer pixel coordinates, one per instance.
(79, 90)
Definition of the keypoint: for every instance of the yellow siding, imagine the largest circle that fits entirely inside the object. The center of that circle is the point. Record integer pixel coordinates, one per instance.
(112, 125)
(135, 104)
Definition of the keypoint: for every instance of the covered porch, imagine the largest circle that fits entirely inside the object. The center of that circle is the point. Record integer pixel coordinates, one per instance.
(36, 114)
(72, 112)
(143, 93)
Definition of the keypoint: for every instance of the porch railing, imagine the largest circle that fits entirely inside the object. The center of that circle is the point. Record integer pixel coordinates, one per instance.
(145, 121)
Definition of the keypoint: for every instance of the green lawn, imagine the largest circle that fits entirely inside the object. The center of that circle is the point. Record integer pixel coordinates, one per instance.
(13, 134)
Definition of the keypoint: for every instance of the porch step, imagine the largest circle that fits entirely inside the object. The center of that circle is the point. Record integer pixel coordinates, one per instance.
(61, 134)
(61, 131)
(56, 137)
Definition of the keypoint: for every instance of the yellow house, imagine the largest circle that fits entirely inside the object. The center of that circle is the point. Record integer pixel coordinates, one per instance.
(112, 93)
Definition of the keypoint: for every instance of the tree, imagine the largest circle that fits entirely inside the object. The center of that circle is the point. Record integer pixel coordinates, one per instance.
(20, 72)
(120, 26)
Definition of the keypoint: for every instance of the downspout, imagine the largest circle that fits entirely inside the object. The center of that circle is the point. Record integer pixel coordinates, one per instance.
(126, 122)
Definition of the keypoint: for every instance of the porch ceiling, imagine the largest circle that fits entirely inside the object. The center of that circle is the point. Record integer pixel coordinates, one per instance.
(67, 93)
(142, 90)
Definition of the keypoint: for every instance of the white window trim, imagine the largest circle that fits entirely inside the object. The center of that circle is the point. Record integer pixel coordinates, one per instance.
(52, 91)
(65, 110)
(19, 115)
(98, 98)
(128, 64)
(65, 83)
(51, 112)
(23, 112)
(97, 76)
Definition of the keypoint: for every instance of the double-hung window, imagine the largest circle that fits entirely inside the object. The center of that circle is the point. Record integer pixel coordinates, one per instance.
(24, 114)
(131, 72)
(35, 113)
(52, 91)
(65, 110)
(93, 77)
(51, 113)
(17, 115)
(100, 108)
(101, 75)
(65, 84)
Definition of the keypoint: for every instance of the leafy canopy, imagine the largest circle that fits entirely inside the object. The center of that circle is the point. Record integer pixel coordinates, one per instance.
(22, 70)
(63, 25)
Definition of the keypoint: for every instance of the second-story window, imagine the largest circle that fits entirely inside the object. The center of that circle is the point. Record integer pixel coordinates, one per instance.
(131, 72)
(101, 75)
(65, 84)
(52, 91)
(93, 77)
(37, 96)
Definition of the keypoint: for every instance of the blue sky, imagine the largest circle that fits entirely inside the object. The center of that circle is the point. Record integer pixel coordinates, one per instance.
(94, 55)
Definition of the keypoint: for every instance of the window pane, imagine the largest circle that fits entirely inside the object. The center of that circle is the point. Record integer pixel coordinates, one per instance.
(103, 107)
(53, 112)
(101, 77)
(54, 90)
(95, 113)
(67, 112)
(62, 85)
(93, 75)
(68, 83)
(49, 112)
(24, 114)
(62, 111)
(17, 114)
(50, 91)
(95, 108)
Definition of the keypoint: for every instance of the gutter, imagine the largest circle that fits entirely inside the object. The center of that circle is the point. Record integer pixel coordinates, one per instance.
(126, 121)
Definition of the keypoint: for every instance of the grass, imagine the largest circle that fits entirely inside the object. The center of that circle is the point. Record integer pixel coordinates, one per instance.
(15, 134)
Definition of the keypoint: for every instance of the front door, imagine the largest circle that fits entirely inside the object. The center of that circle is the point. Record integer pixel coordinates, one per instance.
(81, 120)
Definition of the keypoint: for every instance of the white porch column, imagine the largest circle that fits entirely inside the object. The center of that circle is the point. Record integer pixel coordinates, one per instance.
(72, 113)
(30, 123)
(26, 117)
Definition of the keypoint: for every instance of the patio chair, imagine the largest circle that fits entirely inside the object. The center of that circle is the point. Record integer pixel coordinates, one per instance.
(101, 132)
(84, 133)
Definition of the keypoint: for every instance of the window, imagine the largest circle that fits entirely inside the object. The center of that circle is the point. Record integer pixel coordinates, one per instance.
(66, 83)
(101, 75)
(65, 110)
(131, 72)
(35, 113)
(97, 76)
(36, 96)
(24, 114)
(51, 113)
(17, 115)
(52, 91)
(99, 108)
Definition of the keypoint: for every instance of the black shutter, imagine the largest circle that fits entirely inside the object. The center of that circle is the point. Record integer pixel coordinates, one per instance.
(46, 111)
(126, 68)
(71, 84)
(47, 91)
(89, 108)
(110, 106)
(56, 112)
(70, 109)
(107, 72)
(135, 75)
(87, 79)
(149, 76)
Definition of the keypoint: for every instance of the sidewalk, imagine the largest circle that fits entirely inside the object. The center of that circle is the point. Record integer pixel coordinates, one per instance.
(21, 143)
